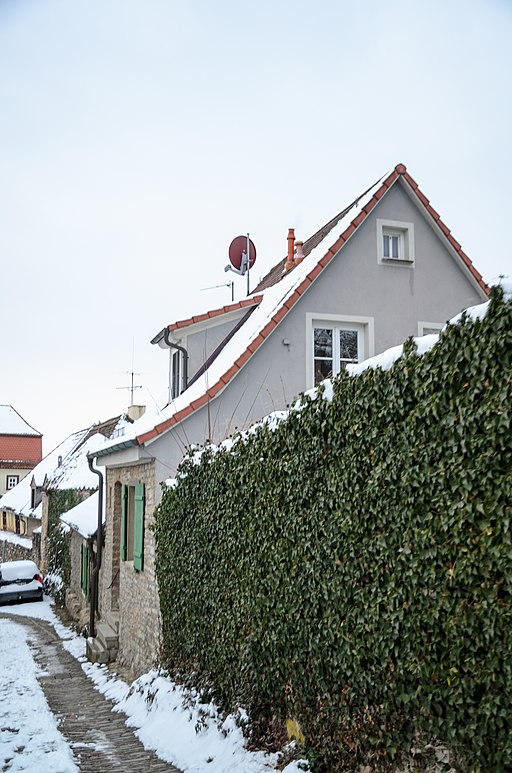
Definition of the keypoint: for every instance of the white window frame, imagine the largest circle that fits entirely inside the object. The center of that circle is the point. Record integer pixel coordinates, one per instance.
(175, 380)
(15, 478)
(365, 327)
(405, 234)
(430, 327)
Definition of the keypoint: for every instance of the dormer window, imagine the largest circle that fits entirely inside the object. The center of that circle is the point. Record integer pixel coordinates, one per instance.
(36, 496)
(176, 373)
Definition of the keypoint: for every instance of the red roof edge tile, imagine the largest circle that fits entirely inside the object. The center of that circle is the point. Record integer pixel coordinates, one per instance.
(446, 231)
(390, 179)
(182, 323)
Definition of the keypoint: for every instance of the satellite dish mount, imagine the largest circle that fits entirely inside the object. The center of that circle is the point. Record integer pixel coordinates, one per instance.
(242, 257)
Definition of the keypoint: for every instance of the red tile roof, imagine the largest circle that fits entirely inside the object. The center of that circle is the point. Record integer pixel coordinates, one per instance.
(276, 274)
(254, 300)
(21, 448)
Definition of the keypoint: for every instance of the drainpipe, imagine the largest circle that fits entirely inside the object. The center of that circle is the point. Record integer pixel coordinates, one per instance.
(184, 352)
(96, 561)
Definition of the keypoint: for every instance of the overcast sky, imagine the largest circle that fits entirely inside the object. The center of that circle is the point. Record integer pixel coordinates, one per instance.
(138, 137)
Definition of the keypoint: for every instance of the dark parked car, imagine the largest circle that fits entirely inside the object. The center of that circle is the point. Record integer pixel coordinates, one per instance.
(20, 581)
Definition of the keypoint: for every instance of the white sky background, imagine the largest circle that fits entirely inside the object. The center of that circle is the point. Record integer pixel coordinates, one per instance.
(138, 138)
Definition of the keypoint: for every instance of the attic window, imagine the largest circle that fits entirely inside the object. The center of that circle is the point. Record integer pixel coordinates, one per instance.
(395, 243)
(12, 481)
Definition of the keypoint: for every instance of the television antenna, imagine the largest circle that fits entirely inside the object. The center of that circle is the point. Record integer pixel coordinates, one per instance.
(132, 386)
(242, 257)
(226, 284)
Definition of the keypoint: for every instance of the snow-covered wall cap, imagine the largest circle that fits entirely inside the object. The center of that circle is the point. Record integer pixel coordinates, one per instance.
(83, 518)
(11, 423)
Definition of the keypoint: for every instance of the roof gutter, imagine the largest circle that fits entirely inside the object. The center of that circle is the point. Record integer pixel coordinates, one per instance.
(113, 449)
(96, 559)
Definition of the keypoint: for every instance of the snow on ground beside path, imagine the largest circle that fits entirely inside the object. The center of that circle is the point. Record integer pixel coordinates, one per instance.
(181, 730)
(178, 729)
(29, 738)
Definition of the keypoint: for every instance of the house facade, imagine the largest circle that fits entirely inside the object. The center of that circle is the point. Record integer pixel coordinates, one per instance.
(80, 524)
(384, 269)
(20, 451)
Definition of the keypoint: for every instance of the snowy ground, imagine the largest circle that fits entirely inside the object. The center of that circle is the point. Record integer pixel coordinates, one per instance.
(181, 731)
(29, 737)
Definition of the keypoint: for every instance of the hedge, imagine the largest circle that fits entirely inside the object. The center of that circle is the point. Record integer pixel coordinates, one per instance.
(352, 567)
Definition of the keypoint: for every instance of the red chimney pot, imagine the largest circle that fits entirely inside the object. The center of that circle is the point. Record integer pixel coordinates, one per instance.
(291, 242)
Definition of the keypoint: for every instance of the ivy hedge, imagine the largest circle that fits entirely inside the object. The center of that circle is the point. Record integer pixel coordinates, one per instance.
(59, 561)
(352, 568)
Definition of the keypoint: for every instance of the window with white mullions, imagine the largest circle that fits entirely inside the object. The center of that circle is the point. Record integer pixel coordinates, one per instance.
(348, 347)
(334, 348)
(323, 353)
(391, 246)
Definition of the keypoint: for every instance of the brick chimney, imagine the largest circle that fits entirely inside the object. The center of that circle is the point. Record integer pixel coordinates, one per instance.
(291, 246)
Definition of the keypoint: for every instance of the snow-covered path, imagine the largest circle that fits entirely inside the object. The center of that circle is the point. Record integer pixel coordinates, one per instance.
(29, 737)
(94, 720)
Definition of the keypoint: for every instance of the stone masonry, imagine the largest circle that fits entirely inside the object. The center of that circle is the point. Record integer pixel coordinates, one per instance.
(76, 602)
(11, 552)
(132, 594)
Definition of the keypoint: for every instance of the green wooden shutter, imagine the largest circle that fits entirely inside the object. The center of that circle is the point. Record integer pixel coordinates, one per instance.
(138, 528)
(124, 523)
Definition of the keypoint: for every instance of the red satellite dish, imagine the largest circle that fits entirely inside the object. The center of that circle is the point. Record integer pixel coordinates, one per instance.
(237, 247)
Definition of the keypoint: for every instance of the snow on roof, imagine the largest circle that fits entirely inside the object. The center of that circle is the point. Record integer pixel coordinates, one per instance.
(19, 498)
(276, 300)
(66, 467)
(74, 472)
(83, 518)
(11, 423)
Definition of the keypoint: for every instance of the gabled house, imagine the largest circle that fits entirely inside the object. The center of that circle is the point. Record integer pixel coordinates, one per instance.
(20, 448)
(386, 267)
(22, 505)
(71, 481)
(58, 482)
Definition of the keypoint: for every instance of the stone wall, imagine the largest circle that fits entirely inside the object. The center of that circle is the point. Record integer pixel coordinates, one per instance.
(132, 594)
(75, 601)
(10, 551)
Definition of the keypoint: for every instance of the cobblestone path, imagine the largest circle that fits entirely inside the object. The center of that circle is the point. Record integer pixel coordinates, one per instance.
(99, 737)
